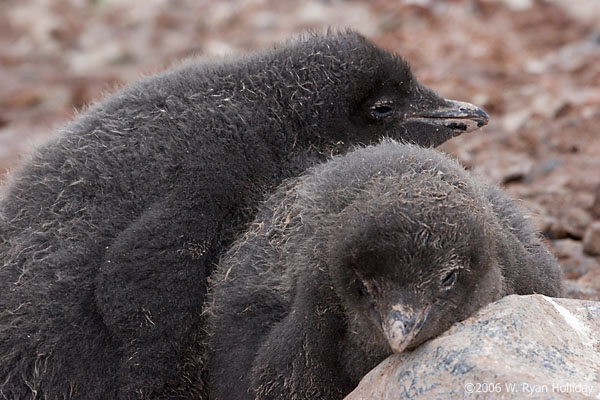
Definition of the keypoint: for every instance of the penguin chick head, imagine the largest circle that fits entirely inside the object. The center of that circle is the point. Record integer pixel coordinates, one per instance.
(410, 256)
(363, 92)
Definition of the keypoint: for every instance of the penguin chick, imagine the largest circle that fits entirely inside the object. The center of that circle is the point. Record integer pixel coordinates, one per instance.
(109, 231)
(366, 255)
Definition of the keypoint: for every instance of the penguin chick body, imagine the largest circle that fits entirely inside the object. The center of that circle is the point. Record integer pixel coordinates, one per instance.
(107, 233)
(371, 253)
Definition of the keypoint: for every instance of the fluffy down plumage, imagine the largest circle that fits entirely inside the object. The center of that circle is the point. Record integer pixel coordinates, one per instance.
(108, 232)
(368, 254)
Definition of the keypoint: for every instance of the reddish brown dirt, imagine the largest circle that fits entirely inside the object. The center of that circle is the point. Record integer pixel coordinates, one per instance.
(533, 64)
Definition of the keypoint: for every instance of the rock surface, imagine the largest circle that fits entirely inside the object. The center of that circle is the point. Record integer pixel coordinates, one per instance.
(518, 347)
(591, 240)
(596, 203)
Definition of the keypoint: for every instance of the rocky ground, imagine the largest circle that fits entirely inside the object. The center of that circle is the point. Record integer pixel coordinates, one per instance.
(503, 351)
(534, 65)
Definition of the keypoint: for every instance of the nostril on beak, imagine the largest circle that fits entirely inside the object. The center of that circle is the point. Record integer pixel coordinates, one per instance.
(405, 324)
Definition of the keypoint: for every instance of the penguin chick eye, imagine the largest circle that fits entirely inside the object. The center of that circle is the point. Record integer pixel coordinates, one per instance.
(449, 279)
(362, 289)
(382, 110)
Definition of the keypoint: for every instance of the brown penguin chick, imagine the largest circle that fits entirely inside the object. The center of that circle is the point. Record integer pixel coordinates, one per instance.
(368, 254)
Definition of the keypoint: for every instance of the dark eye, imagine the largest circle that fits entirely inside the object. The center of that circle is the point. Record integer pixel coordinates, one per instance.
(381, 111)
(450, 278)
(362, 288)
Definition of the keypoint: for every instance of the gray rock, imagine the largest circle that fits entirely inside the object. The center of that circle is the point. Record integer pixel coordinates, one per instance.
(518, 347)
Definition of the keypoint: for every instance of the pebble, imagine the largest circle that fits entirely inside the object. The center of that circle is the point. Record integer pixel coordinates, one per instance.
(573, 224)
(591, 239)
(596, 204)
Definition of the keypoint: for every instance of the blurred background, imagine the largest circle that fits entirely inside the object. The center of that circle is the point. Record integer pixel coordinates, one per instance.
(534, 65)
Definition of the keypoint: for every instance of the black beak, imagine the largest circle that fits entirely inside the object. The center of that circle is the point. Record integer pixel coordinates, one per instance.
(458, 116)
(402, 325)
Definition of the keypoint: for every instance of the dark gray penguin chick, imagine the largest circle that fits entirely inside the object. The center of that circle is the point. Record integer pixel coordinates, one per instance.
(366, 255)
(109, 231)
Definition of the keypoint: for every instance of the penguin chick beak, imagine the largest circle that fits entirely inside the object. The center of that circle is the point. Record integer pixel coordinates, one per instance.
(402, 325)
(458, 116)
